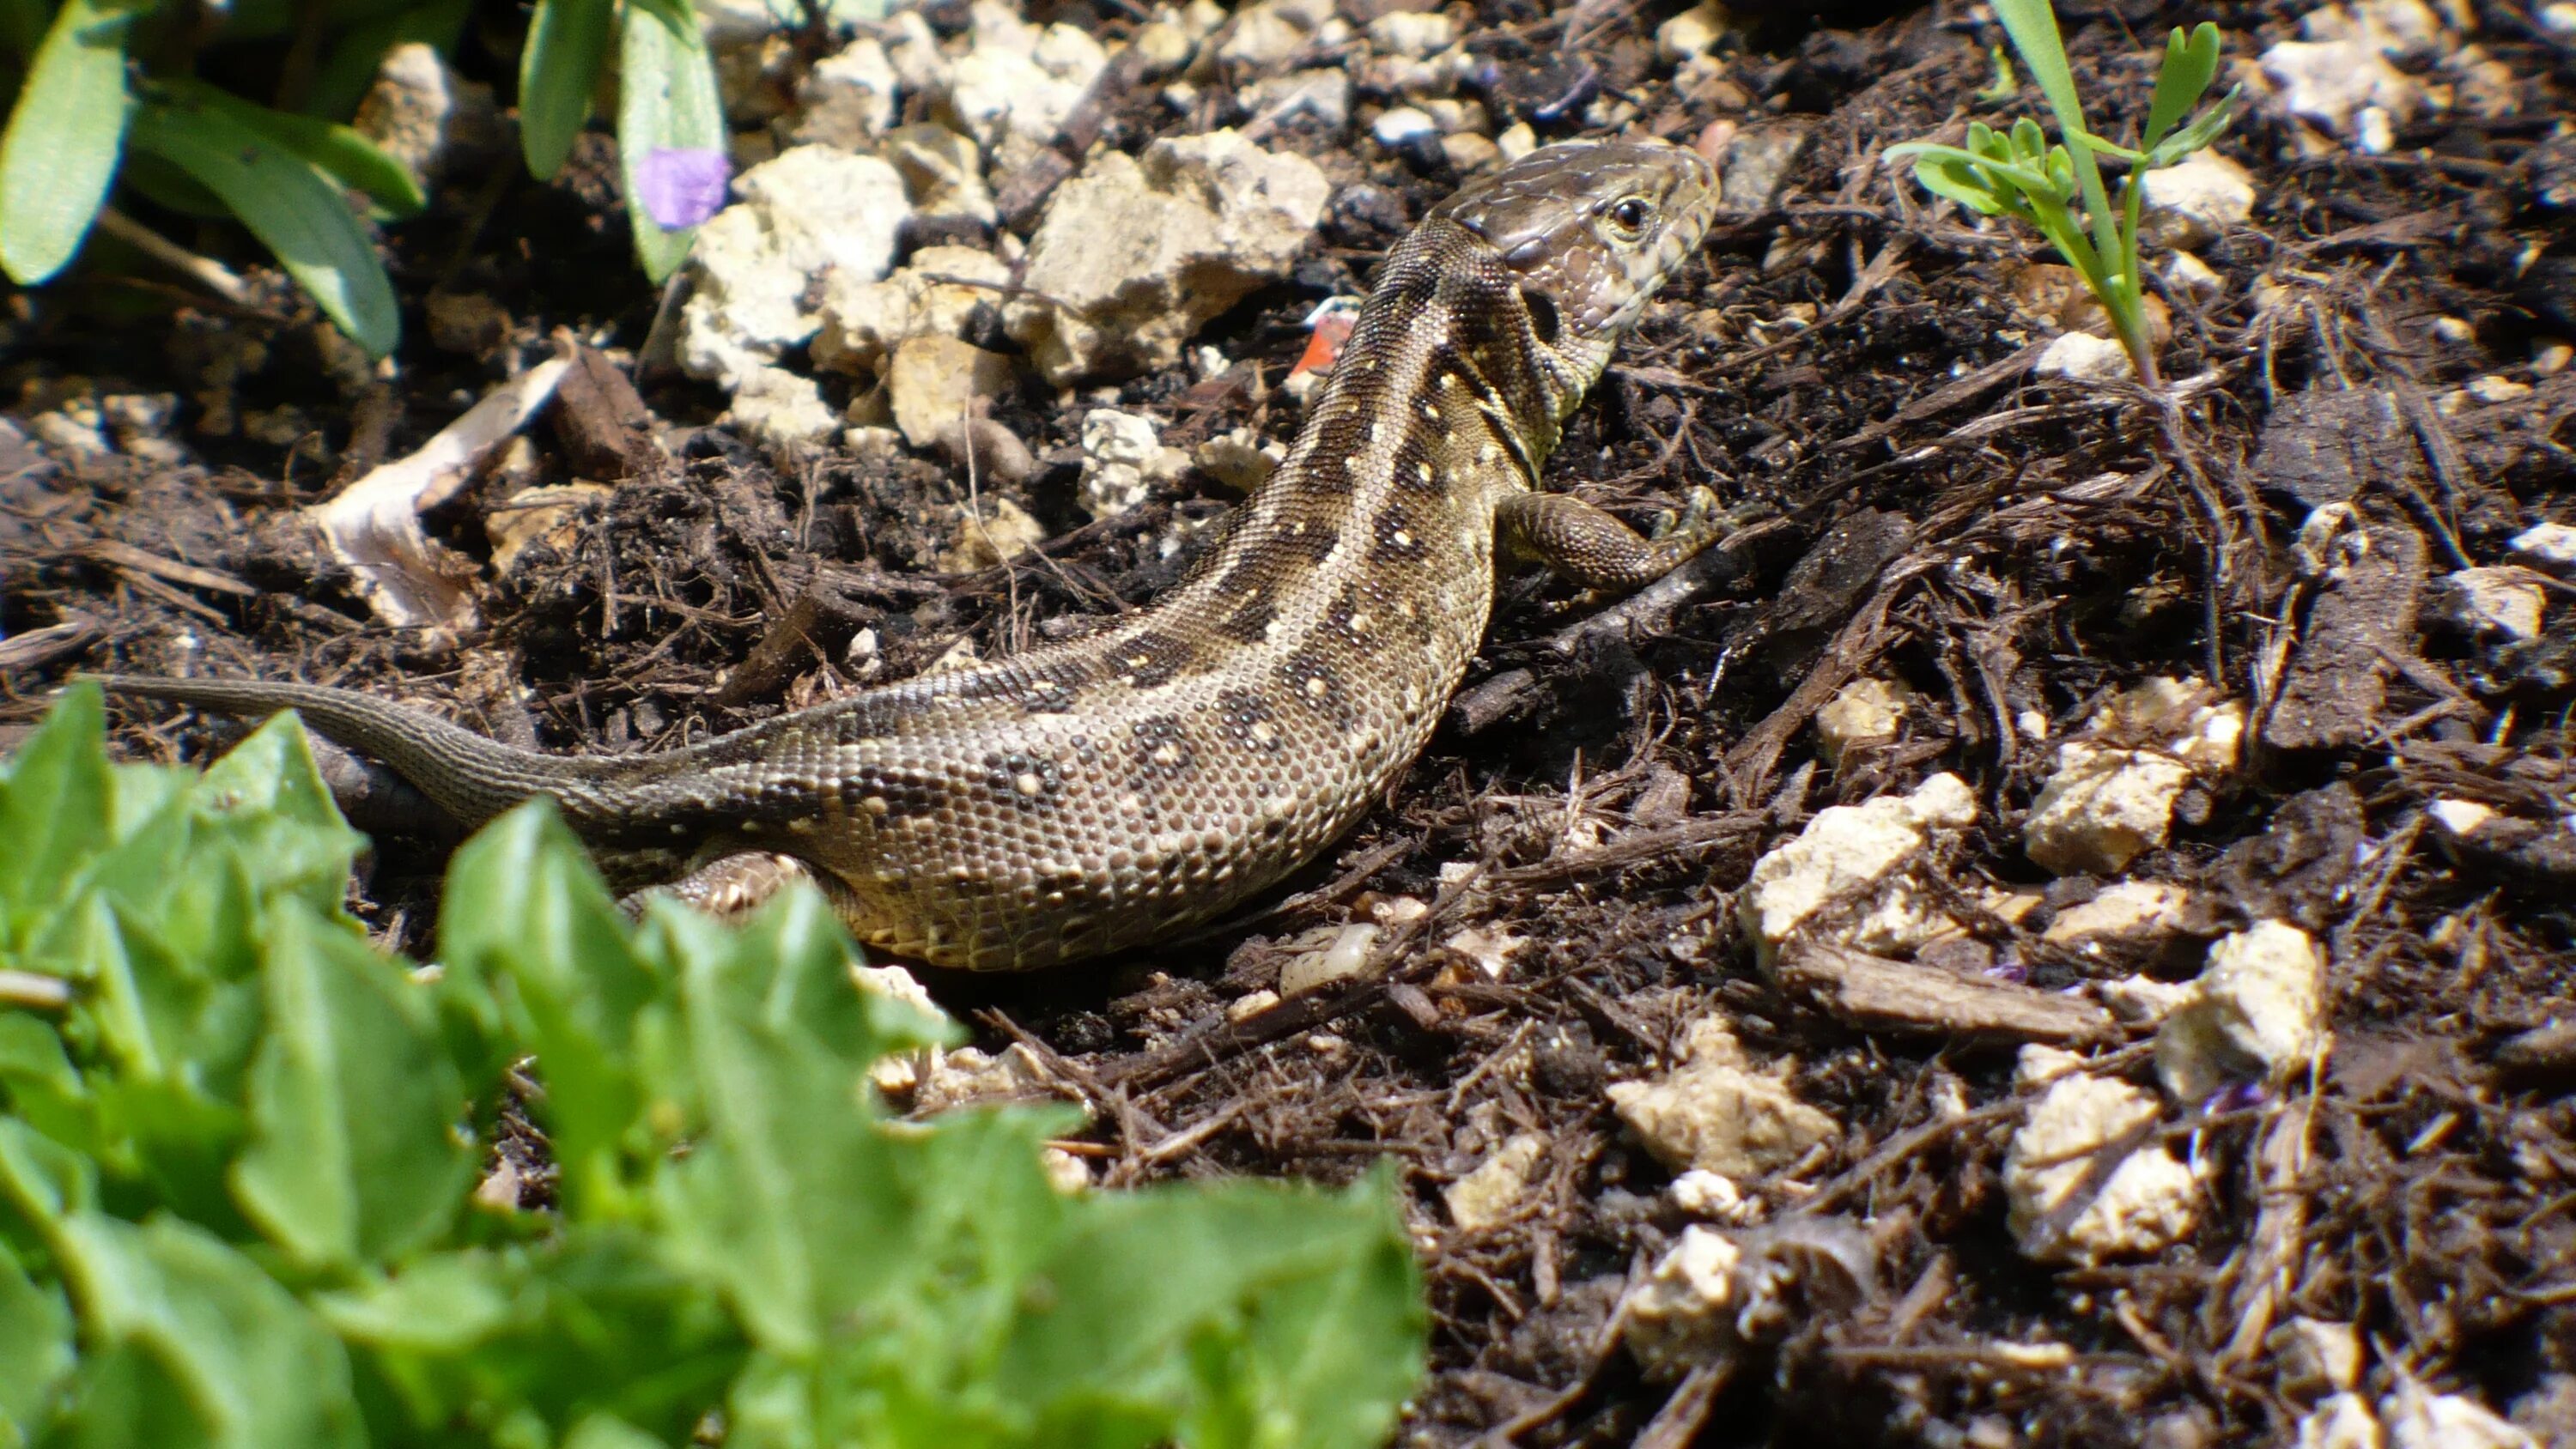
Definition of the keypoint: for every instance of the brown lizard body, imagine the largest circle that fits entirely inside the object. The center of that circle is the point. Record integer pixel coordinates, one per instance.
(1096, 794)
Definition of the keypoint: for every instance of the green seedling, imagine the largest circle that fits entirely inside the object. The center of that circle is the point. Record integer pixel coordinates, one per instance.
(2058, 188)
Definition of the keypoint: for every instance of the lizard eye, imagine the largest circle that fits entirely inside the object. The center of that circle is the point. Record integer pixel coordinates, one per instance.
(1632, 214)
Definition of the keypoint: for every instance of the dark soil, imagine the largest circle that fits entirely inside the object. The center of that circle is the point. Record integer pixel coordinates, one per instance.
(1850, 356)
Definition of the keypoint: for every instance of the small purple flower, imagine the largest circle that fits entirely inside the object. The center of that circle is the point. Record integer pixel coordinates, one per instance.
(681, 188)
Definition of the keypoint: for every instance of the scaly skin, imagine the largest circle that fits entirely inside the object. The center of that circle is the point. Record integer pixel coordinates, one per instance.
(1097, 794)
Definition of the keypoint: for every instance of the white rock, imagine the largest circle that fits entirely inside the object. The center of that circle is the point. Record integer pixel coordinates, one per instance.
(996, 531)
(1690, 33)
(1122, 459)
(1250, 1005)
(1860, 712)
(863, 322)
(944, 172)
(811, 211)
(2420, 1420)
(779, 408)
(934, 382)
(1713, 1113)
(848, 98)
(2549, 545)
(1134, 256)
(1415, 33)
(2331, 82)
(2142, 1000)
(2193, 278)
(2558, 18)
(1337, 956)
(728, 24)
(2113, 791)
(1469, 152)
(1853, 856)
(2132, 914)
(2494, 389)
(1487, 1195)
(1267, 34)
(1682, 1316)
(2341, 1421)
(2398, 29)
(2258, 1012)
(2505, 600)
(2068, 1204)
(421, 112)
(2459, 817)
(1401, 125)
(2482, 85)
(1163, 44)
(2317, 1356)
(919, 62)
(1517, 141)
(1324, 94)
(2083, 357)
(1714, 1196)
(2196, 202)
(997, 93)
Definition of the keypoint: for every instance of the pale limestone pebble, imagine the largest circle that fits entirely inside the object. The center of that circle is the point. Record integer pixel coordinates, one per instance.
(2140, 1000)
(2550, 356)
(1418, 34)
(1854, 856)
(920, 64)
(848, 98)
(2417, 1418)
(2346, 86)
(863, 321)
(1693, 32)
(1069, 1175)
(2083, 357)
(1456, 116)
(2398, 29)
(1753, 166)
(548, 515)
(2492, 388)
(1715, 1197)
(1486, 1196)
(1239, 458)
(424, 115)
(1468, 152)
(1323, 94)
(2315, 1356)
(1681, 1316)
(1013, 101)
(778, 408)
(971, 1076)
(2551, 546)
(732, 24)
(1489, 951)
(2192, 278)
(2197, 201)
(1402, 126)
(934, 381)
(996, 531)
(2129, 914)
(2558, 18)
(141, 424)
(1133, 256)
(1123, 460)
(2112, 793)
(812, 212)
(1251, 1004)
(2502, 601)
(1267, 34)
(2482, 85)
(2067, 1204)
(2341, 1421)
(1516, 141)
(1712, 1112)
(1163, 44)
(2256, 1013)
(1325, 955)
(1862, 712)
(2460, 818)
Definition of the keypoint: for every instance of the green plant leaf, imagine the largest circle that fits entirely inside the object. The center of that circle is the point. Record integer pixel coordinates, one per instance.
(350, 1159)
(53, 812)
(339, 152)
(194, 1343)
(2191, 62)
(291, 206)
(2032, 25)
(667, 99)
(2203, 129)
(527, 925)
(59, 154)
(358, 53)
(558, 70)
(35, 1349)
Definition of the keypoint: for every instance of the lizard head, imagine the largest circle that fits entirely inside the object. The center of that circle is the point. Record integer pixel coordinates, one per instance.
(1589, 230)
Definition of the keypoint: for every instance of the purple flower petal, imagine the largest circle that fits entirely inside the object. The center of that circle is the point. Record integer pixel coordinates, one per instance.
(681, 188)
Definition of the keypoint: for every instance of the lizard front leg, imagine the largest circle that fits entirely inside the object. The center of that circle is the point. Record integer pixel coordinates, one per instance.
(1593, 548)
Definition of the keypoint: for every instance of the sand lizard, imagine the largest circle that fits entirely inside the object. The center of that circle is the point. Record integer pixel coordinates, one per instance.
(1096, 794)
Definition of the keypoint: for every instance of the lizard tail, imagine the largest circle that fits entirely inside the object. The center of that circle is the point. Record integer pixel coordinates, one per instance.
(463, 773)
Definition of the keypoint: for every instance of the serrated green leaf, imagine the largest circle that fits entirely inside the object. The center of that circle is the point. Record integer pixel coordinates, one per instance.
(441, 1304)
(198, 1339)
(2191, 63)
(351, 1159)
(667, 99)
(558, 71)
(334, 149)
(35, 1350)
(295, 210)
(527, 925)
(53, 812)
(59, 154)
